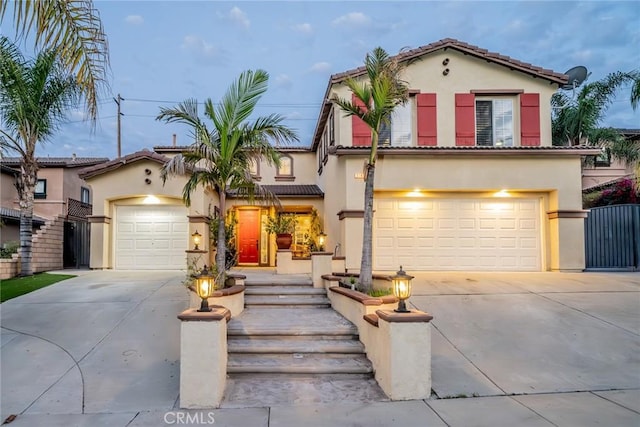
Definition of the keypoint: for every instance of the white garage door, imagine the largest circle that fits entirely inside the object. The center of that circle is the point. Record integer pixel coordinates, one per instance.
(457, 234)
(151, 237)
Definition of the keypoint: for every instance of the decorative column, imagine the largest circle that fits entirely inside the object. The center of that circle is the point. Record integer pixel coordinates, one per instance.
(404, 340)
(203, 357)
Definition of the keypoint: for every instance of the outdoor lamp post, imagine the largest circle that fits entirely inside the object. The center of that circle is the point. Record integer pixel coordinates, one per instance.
(322, 238)
(401, 289)
(196, 240)
(205, 284)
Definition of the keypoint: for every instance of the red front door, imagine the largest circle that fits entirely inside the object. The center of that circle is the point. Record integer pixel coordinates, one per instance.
(248, 236)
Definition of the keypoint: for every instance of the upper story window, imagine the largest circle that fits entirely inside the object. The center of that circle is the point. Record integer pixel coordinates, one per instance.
(254, 168)
(498, 118)
(332, 129)
(494, 122)
(604, 158)
(41, 189)
(85, 195)
(397, 132)
(285, 170)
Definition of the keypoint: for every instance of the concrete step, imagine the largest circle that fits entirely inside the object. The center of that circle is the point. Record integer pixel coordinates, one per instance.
(301, 322)
(299, 363)
(284, 290)
(291, 301)
(288, 346)
(250, 284)
(269, 390)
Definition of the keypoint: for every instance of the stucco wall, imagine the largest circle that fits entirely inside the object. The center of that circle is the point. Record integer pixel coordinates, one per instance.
(304, 169)
(466, 73)
(127, 185)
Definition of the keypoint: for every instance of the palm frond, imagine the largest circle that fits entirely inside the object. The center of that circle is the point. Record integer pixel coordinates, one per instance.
(74, 29)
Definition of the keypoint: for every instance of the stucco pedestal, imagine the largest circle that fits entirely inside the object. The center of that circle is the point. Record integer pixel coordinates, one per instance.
(320, 266)
(403, 354)
(203, 357)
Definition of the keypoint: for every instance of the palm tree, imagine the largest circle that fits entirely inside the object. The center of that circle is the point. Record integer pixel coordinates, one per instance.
(73, 27)
(381, 92)
(577, 122)
(221, 156)
(34, 97)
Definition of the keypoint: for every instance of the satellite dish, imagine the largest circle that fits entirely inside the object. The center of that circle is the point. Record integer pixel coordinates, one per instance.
(576, 76)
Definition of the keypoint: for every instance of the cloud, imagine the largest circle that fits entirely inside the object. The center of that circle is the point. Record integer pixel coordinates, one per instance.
(134, 20)
(304, 28)
(200, 47)
(283, 81)
(352, 19)
(237, 16)
(320, 67)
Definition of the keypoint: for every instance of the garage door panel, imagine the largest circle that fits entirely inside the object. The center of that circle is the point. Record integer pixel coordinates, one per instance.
(151, 237)
(459, 234)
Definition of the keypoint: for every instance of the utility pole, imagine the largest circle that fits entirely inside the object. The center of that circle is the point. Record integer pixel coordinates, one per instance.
(118, 101)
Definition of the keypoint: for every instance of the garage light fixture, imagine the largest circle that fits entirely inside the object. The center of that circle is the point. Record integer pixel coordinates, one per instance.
(196, 240)
(205, 284)
(401, 289)
(502, 193)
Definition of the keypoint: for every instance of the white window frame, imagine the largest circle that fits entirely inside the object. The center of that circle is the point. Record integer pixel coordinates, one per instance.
(502, 122)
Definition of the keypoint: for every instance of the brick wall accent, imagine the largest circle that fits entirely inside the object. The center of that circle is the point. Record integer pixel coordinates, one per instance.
(9, 267)
(48, 246)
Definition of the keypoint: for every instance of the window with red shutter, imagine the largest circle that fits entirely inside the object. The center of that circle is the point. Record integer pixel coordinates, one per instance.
(530, 119)
(427, 119)
(465, 120)
(360, 132)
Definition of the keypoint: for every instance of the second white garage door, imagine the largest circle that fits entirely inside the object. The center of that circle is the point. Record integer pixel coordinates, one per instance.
(151, 237)
(457, 234)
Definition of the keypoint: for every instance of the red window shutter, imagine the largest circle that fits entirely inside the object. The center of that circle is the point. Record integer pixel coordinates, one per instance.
(427, 119)
(465, 119)
(529, 119)
(360, 132)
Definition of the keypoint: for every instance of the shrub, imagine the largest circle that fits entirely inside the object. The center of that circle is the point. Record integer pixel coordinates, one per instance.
(9, 249)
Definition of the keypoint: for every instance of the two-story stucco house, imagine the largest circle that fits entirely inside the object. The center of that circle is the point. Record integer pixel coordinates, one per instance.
(467, 179)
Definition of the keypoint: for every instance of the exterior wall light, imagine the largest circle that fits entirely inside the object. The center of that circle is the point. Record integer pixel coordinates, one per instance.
(196, 240)
(322, 239)
(205, 284)
(401, 289)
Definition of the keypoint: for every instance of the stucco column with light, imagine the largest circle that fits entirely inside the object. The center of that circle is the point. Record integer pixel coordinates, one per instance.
(403, 354)
(203, 357)
(320, 265)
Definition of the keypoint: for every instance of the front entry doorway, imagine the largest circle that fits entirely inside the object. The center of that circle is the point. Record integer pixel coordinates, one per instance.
(248, 236)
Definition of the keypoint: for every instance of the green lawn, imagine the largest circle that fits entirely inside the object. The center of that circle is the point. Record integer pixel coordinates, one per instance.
(17, 286)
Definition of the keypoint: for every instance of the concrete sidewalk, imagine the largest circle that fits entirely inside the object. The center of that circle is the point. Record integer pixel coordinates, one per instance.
(523, 349)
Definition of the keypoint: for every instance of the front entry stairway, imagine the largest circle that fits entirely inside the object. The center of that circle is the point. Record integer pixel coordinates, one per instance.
(289, 347)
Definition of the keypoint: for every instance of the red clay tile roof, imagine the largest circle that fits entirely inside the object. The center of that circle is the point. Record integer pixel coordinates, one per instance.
(181, 148)
(296, 190)
(581, 150)
(121, 161)
(470, 50)
(447, 43)
(64, 162)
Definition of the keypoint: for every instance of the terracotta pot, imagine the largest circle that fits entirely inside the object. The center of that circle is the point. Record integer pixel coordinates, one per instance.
(284, 241)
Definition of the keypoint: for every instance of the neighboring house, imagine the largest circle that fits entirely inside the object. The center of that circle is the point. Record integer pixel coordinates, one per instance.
(467, 179)
(61, 195)
(606, 170)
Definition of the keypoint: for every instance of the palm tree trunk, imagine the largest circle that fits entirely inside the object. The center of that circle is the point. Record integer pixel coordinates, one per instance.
(221, 254)
(26, 188)
(366, 275)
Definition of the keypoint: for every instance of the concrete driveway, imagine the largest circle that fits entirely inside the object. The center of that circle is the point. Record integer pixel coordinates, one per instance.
(508, 349)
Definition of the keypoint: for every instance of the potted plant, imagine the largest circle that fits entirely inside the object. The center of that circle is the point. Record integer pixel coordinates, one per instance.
(282, 226)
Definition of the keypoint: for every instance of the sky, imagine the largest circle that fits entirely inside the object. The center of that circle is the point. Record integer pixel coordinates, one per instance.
(163, 52)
